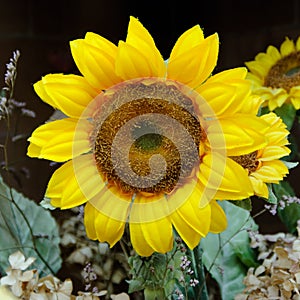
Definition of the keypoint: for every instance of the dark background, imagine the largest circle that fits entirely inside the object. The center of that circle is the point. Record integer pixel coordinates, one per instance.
(42, 29)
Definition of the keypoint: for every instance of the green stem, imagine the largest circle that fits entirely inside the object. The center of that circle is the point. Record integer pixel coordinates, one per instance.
(201, 288)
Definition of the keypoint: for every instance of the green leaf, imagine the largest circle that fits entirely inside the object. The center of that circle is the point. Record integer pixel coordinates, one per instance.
(291, 213)
(228, 255)
(15, 232)
(154, 294)
(158, 275)
(289, 216)
(135, 285)
(283, 188)
(272, 197)
(287, 112)
(290, 164)
(245, 204)
(199, 291)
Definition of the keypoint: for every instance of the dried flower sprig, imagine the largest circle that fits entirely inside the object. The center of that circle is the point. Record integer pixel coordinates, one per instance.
(7, 102)
(278, 276)
(11, 71)
(283, 203)
(26, 284)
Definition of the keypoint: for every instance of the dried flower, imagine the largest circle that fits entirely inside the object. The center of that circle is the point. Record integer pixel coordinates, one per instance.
(278, 276)
(11, 70)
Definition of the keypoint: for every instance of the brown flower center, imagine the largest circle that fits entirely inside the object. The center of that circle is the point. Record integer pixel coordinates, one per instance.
(247, 161)
(285, 73)
(146, 144)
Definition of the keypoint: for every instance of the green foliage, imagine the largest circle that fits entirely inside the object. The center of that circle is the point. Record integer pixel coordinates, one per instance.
(291, 213)
(287, 113)
(228, 255)
(245, 204)
(27, 227)
(272, 199)
(157, 275)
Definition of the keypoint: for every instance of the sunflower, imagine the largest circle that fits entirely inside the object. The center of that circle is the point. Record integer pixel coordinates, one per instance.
(146, 141)
(264, 165)
(275, 75)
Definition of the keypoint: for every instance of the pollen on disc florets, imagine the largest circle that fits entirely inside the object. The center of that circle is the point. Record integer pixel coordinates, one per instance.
(145, 136)
(248, 161)
(285, 73)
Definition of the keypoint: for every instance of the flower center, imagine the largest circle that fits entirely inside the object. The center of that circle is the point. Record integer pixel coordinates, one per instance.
(146, 141)
(248, 161)
(285, 73)
(146, 137)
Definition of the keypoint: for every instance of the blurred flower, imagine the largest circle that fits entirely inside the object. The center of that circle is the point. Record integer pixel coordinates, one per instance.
(278, 275)
(27, 284)
(11, 70)
(6, 294)
(15, 277)
(275, 74)
(264, 165)
(147, 141)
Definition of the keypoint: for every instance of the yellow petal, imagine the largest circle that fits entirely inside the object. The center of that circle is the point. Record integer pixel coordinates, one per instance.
(256, 81)
(85, 182)
(287, 47)
(274, 152)
(58, 180)
(40, 90)
(198, 219)
(298, 43)
(225, 177)
(56, 202)
(89, 221)
(194, 65)
(295, 96)
(260, 188)
(257, 68)
(218, 218)
(96, 64)
(234, 79)
(133, 63)
(187, 233)
(107, 229)
(219, 99)
(194, 205)
(61, 178)
(242, 134)
(33, 150)
(60, 140)
(111, 214)
(157, 234)
(69, 93)
(111, 202)
(228, 76)
(138, 240)
(75, 182)
(139, 38)
(101, 43)
(274, 53)
(189, 39)
(265, 60)
(271, 171)
(277, 98)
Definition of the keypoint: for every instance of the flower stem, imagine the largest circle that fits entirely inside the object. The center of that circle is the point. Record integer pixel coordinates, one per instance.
(200, 289)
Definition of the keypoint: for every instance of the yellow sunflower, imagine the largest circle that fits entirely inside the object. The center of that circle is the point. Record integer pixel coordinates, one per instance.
(264, 165)
(275, 74)
(146, 142)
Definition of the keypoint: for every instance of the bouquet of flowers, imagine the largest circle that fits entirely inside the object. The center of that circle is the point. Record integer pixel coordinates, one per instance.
(157, 164)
